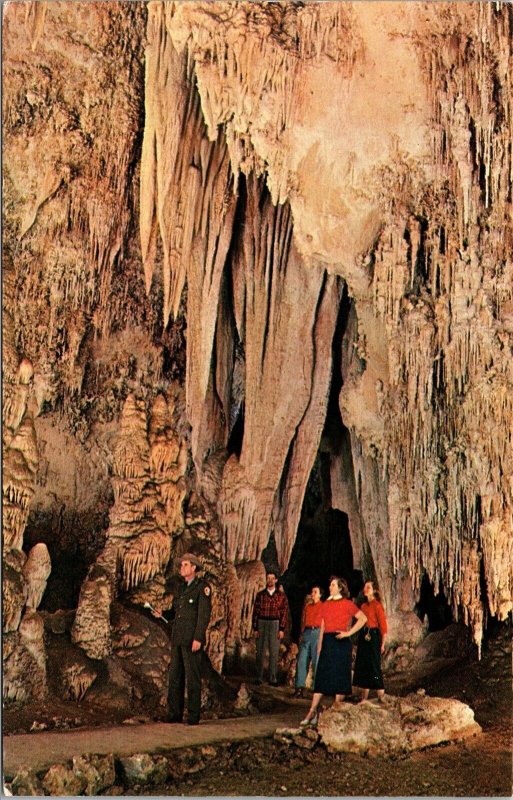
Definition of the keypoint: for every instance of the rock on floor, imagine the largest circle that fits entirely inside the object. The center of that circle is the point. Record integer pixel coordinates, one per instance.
(397, 725)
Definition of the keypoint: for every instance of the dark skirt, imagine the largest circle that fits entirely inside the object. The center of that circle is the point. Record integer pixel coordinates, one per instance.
(367, 665)
(333, 673)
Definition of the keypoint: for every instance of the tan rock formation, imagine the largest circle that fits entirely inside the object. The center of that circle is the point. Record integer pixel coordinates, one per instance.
(13, 589)
(404, 227)
(91, 628)
(36, 570)
(24, 675)
(76, 679)
(399, 725)
(20, 456)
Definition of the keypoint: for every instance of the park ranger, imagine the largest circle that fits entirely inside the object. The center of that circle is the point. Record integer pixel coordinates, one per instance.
(191, 607)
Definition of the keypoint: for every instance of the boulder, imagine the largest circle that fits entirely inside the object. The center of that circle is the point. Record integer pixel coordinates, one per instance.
(397, 725)
(143, 770)
(452, 642)
(26, 784)
(63, 782)
(98, 772)
(188, 761)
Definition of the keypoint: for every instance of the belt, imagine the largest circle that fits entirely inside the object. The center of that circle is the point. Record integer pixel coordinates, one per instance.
(311, 627)
(270, 619)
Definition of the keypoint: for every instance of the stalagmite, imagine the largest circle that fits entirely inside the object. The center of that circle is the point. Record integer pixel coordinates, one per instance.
(36, 571)
(91, 627)
(32, 632)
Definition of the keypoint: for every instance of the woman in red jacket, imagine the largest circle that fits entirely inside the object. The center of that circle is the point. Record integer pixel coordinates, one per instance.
(309, 640)
(333, 674)
(371, 644)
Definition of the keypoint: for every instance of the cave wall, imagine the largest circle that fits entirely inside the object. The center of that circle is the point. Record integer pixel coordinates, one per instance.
(194, 193)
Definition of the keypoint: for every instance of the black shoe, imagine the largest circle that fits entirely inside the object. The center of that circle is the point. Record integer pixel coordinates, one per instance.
(258, 682)
(174, 719)
(273, 683)
(192, 722)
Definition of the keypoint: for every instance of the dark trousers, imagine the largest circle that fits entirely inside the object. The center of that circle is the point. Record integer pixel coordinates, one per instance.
(185, 669)
(268, 639)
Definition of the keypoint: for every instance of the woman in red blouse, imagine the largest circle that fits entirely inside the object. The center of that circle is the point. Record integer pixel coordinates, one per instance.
(333, 674)
(310, 631)
(371, 644)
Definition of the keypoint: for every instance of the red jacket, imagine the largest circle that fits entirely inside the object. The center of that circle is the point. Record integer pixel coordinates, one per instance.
(375, 614)
(269, 606)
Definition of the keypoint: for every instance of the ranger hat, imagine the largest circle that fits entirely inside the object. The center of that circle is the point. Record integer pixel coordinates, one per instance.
(188, 557)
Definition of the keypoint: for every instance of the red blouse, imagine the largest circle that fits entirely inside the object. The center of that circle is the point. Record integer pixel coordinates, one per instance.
(375, 614)
(312, 616)
(337, 615)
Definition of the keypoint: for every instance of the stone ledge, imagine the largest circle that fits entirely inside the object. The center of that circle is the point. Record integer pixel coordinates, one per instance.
(395, 726)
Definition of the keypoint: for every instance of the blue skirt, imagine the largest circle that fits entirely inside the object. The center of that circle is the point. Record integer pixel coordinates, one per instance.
(333, 673)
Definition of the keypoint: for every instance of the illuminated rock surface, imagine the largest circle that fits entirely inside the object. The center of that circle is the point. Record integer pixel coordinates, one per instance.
(243, 240)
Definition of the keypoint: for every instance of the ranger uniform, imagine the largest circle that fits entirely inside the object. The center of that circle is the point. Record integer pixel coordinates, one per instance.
(192, 608)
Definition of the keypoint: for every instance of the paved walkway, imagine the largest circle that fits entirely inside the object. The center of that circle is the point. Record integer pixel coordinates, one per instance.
(40, 750)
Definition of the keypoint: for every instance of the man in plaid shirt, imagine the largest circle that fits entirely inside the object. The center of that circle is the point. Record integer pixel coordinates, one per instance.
(270, 615)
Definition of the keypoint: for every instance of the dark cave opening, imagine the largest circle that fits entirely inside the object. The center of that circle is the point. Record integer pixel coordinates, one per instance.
(237, 433)
(434, 606)
(73, 543)
(322, 547)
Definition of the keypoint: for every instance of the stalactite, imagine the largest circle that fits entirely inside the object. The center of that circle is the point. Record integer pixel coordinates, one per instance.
(147, 555)
(35, 13)
(186, 43)
(448, 407)
(251, 578)
(305, 444)
(344, 498)
(273, 418)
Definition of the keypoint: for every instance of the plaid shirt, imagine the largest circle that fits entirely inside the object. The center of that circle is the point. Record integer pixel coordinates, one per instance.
(271, 606)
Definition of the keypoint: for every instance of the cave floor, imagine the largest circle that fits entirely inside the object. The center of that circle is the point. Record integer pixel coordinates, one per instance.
(248, 762)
